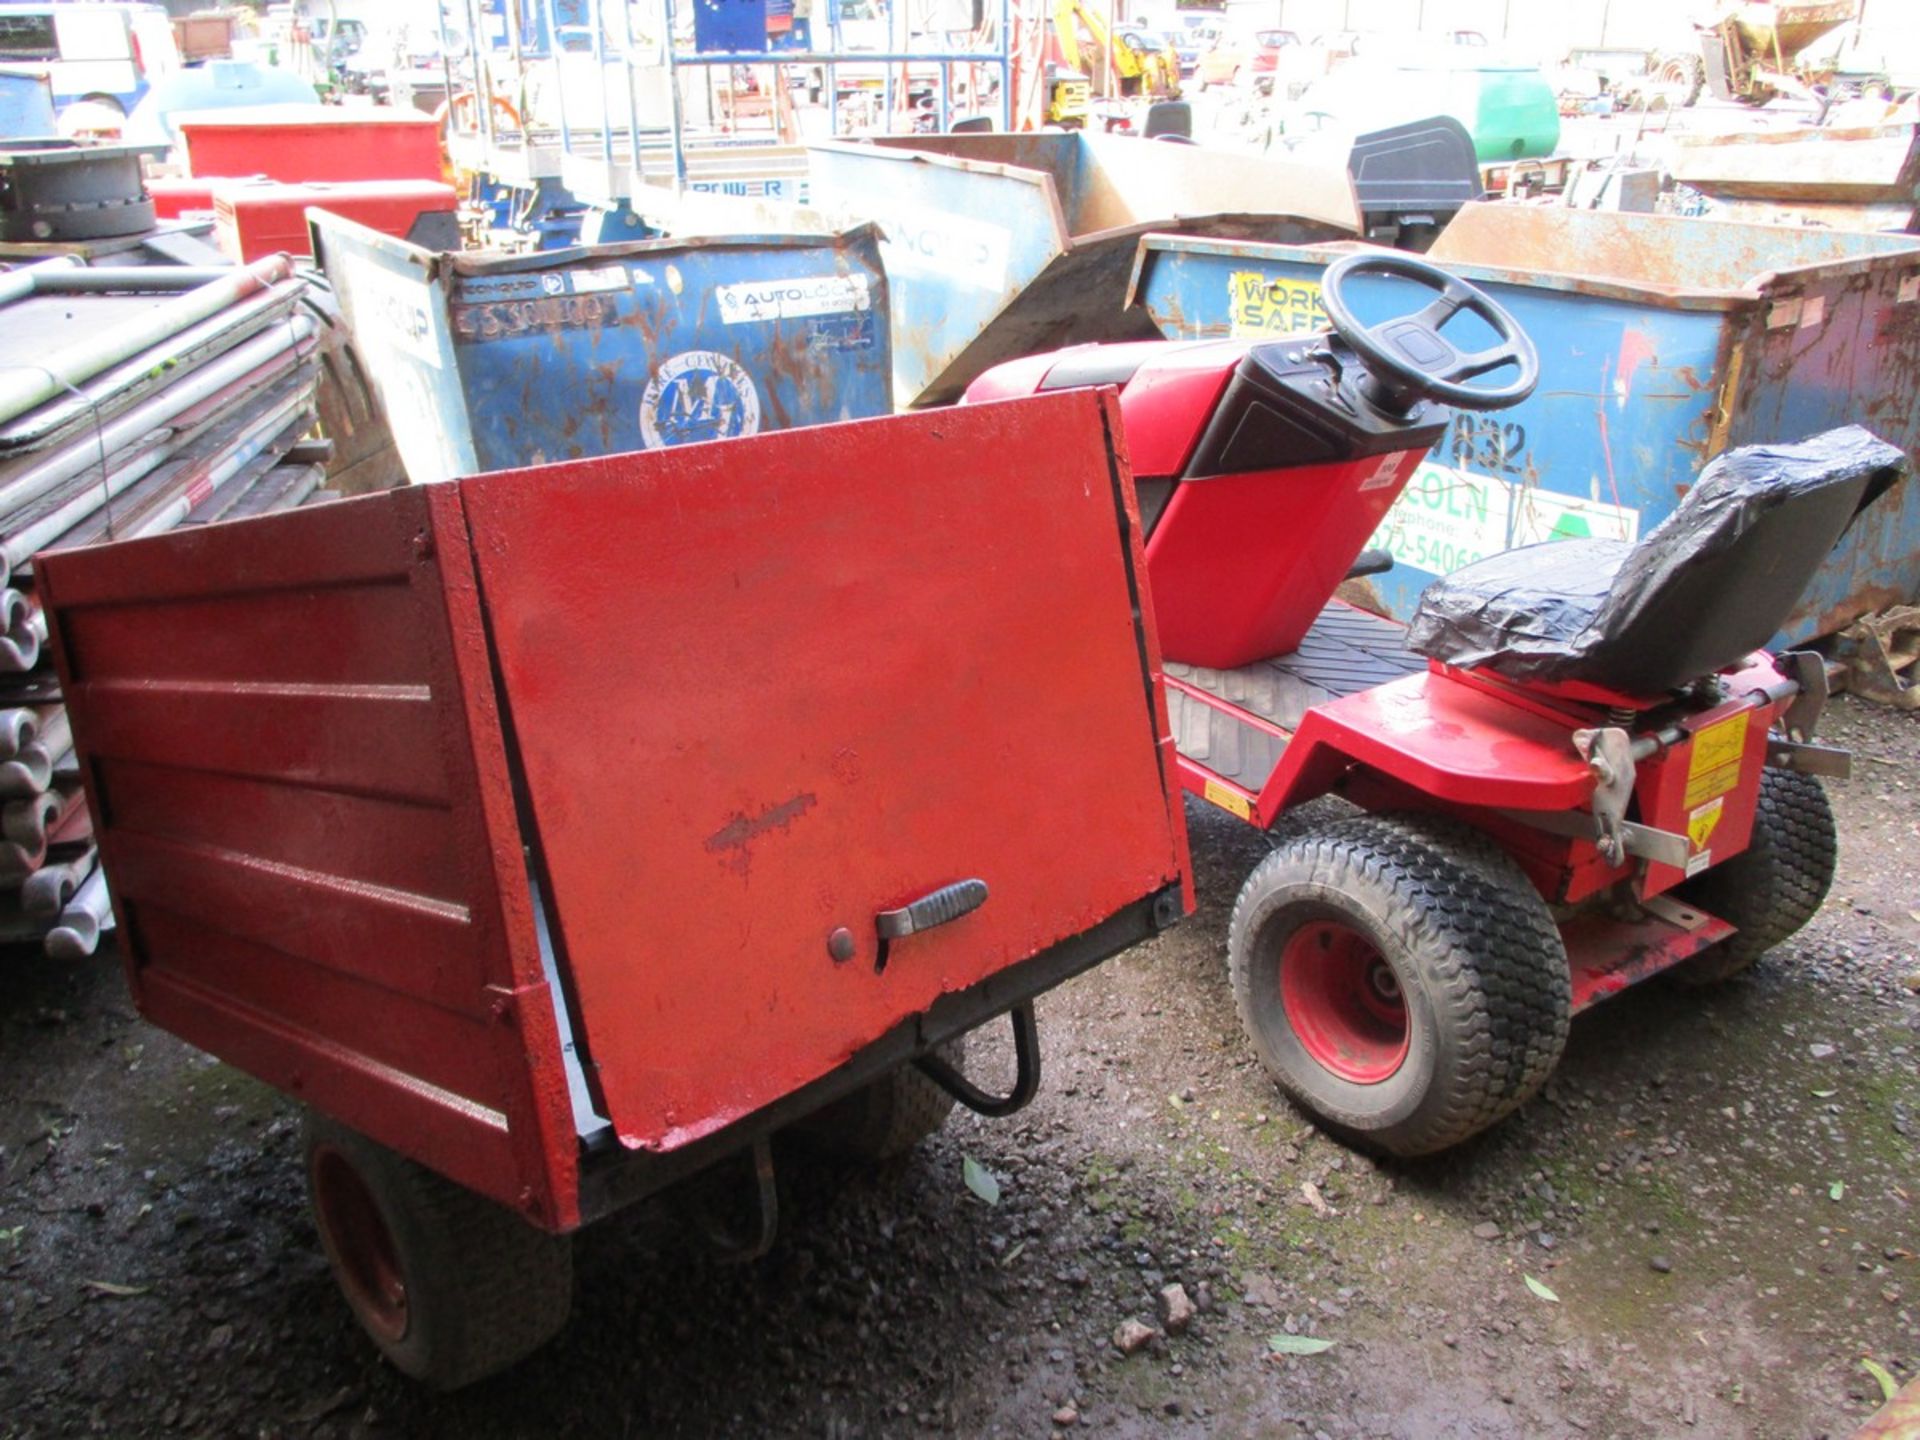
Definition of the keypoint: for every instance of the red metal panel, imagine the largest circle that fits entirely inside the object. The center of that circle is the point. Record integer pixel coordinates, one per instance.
(1460, 745)
(255, 217)
(763, 689)
(1242, 565)
(299, 143)
(1706, 788)
(290, 744)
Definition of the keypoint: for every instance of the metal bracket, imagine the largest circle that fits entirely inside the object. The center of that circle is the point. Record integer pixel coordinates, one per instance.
(1026, 1077)
(1641, 841)
(734, 1250)
(1808, 759)
(1808, 671)
(1676, 914)
(1609, 755)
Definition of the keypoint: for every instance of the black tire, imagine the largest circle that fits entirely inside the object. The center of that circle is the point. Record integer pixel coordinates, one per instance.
(449, 1285)
(886, 1118)
(1773, 887)
(1440, 916)
(1688, 73)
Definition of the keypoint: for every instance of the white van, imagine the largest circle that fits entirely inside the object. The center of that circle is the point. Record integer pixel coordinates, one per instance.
(92, 51)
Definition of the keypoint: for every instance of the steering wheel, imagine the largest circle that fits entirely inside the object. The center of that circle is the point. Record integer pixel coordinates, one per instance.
(1407, 358)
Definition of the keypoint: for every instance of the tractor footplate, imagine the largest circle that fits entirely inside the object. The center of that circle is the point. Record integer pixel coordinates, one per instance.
(1346, 651)
(1606, 955)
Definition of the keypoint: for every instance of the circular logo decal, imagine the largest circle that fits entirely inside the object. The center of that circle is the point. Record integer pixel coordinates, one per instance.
(698, 395)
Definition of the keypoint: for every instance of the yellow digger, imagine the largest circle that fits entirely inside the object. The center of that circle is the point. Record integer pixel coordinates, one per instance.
(1125, 63)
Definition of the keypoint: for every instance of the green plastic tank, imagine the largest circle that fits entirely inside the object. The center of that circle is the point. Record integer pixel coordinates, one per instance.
(1509, 110)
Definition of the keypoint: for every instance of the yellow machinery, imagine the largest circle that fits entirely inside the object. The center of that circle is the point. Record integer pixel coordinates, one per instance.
(1125, 63)
(1751, 49)
(1069, 97)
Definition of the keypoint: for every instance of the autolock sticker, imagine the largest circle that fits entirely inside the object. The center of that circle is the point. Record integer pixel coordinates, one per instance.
(796, 299)
(1714, 768)
(1218, 794)
(698, 395)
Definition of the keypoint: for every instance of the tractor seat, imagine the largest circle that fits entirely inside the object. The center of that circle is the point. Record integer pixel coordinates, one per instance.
(1703, 589)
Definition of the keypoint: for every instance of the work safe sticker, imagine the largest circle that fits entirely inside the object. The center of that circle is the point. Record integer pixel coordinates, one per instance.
(1260, 304)
(698, 395)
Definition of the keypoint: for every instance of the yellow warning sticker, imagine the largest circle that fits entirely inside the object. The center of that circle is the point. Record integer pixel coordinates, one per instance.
(1702, 822)
(1715, 766)
(1234, 804)
(1263, 304)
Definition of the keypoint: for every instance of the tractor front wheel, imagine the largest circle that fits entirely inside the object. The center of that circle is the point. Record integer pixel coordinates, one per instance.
(450, 1286)
(1774, 886)
(1401, 980)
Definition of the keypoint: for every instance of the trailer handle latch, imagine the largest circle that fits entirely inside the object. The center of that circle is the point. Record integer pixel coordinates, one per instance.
(937, 907)
(940, 907)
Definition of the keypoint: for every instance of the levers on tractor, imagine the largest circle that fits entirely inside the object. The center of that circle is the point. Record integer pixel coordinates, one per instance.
(1575, 769)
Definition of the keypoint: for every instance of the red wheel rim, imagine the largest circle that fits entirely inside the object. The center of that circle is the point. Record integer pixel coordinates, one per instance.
(1343, 1002)
(361, 1245)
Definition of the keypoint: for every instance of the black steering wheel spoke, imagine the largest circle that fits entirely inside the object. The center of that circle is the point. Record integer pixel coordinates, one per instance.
(1481, 362)
(1442, 308)
(1407, 359)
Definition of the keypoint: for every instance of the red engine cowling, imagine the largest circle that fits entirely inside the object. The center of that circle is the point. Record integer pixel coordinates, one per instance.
(1261, 471)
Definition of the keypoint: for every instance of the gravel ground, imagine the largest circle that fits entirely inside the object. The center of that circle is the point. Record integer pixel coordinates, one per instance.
(1719, 1188)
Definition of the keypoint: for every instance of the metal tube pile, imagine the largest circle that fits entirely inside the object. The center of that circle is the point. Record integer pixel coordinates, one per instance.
(132, 401)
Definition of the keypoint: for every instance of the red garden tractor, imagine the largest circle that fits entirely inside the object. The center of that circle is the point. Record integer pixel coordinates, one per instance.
(1576, 767)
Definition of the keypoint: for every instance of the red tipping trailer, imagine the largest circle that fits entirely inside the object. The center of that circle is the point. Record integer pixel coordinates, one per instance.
(566, 830)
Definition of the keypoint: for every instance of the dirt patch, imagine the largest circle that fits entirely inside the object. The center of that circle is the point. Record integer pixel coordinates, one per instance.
(1719, 1188)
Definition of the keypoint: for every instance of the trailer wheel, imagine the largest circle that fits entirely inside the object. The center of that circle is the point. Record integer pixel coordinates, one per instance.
(1774, 886)
(451, 1286)
(1401, 979)
(886, 1118)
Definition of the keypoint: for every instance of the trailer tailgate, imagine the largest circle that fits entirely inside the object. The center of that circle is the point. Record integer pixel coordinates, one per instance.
(765, 689)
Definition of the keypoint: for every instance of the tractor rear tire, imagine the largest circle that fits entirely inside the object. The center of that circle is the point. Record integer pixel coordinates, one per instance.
(1401, 979)
(449, 1285)
(1773, 887)
(887, 1118)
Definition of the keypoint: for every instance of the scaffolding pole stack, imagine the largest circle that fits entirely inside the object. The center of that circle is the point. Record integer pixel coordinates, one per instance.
(132, 401)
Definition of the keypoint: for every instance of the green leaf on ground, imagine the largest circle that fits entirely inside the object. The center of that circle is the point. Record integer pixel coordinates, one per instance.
(111, 1287)
(1889, 1386)
(1297, 1344)
(1837, 1190)
(1541, 1290)
(980, 1180)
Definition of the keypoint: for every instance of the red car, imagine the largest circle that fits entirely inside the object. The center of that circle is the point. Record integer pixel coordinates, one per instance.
(1236, 60)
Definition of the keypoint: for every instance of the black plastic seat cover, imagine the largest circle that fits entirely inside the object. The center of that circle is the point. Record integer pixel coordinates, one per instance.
(1707, 586)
